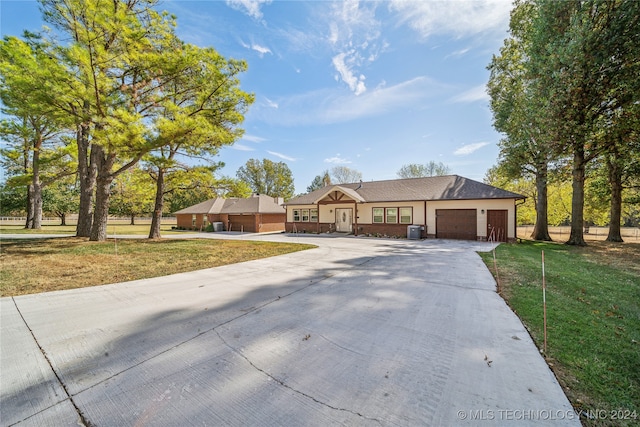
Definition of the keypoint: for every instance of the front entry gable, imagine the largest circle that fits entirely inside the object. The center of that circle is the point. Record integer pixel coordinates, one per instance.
(338, 194)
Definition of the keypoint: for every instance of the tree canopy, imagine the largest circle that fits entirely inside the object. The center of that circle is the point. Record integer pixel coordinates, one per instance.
(268, 177)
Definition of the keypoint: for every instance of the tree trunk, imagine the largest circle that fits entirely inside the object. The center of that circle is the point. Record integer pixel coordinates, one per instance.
(133, 219)
(37, 190)
(63, 219)
(615, 181)
(577, 199)
(87, 178)
(29, 221)
(541, 228)
(103, 192)
(154, 233)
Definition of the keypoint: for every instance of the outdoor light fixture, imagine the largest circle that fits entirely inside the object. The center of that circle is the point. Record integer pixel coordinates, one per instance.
(482, 211)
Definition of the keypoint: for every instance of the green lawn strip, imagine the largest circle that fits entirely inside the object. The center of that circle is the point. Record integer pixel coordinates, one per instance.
(42, 265)
(593, 322)
(112, 229)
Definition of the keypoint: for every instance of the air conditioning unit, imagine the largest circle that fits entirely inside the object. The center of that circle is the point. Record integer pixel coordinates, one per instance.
(218, 226)
(414, 232)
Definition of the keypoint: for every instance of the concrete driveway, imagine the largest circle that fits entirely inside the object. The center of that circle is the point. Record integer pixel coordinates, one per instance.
(356, 332)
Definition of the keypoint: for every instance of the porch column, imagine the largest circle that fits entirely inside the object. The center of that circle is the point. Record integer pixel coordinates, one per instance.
(317, 218)
(355, 214)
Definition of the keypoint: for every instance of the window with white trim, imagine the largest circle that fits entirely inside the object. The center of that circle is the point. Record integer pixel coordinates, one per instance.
(391, 215)
(305, 215)
(378, 215)
(406, 215)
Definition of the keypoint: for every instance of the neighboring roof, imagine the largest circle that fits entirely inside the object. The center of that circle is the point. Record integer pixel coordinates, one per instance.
(259, 203)
(449, 187)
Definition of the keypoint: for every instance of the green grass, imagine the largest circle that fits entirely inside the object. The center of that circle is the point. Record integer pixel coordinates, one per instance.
(593, 318)
(42, 265)
(112, 228)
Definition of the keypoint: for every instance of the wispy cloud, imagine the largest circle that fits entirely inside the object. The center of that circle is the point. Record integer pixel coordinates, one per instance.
(457, 17)
(353, 35)
(256, 47)
(458, 53)
(282, 156)
(334, 106)
(470, 148)
(337, 160)
(477, 93)
(242, 147)
(253, 138)
(249, 7)
(356, 84)
(271, 103)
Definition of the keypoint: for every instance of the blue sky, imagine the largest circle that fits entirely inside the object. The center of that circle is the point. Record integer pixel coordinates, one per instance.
(367, 85)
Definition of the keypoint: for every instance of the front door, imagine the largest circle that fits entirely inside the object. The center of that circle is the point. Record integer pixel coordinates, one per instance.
(343, 221)
(497, 225)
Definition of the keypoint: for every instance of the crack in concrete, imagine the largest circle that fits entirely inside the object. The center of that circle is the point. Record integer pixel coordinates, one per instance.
(287, 386)
(206, 331)
(82, 420)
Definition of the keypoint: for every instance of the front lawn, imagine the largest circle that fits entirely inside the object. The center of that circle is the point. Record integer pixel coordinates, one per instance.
(42, 265)
(593, 320)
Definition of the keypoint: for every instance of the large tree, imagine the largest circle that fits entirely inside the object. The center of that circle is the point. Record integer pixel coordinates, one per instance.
(319, 181)
(585, 61)
(200, 112)
(119, 58)
(516, 106)
(345, 175)
(32, 128)
(417, 170)
(268, 177)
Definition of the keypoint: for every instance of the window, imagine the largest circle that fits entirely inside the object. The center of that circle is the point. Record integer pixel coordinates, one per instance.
(305, 215)
(193, 220)
(378, 215)
(392, 215)
(406, 215)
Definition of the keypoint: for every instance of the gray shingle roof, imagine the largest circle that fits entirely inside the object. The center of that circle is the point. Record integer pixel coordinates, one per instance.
(450, 187)
(256, 204)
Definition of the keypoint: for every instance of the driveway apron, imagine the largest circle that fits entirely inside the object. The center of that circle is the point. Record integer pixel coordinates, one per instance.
(355, 332)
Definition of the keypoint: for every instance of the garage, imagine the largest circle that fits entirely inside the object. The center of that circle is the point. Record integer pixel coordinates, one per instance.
(460, 224)
(245, 223)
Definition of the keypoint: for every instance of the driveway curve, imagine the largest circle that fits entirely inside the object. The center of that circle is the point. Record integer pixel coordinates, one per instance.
(356, 332)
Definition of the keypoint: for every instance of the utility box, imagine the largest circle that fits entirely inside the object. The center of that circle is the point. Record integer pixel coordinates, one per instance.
(218, 226)
(414, 232)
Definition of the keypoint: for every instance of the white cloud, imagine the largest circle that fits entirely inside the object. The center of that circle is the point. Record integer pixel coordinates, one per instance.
(337, 160)
(271, 103)
(334, 106)
(454, 17)
(353, 35)
(457, 53)
(241, 147)
(253, 138)
(477, 93)
(282, 156)
(256, 47)
(260, 49)
(356, 84)
(249, 7)
(469, 148)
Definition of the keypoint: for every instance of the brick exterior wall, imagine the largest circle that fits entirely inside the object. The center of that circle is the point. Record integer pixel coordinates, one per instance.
(396, 230)
(256, 223)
